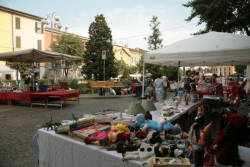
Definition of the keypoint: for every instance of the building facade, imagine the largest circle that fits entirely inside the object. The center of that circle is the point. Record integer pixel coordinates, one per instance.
(223, 70)
(130, 56)
(18, 31)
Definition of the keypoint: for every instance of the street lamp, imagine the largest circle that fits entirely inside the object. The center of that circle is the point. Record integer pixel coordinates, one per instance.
(54, 21)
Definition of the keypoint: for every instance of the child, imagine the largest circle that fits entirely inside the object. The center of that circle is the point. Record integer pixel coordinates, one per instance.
(149, 91)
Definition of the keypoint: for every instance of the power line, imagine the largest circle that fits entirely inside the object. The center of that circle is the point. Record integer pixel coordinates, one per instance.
(146, 34)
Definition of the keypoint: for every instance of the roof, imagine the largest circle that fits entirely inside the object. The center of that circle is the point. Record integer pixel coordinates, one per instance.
(16, 12)
(48, 29)
(34, 55)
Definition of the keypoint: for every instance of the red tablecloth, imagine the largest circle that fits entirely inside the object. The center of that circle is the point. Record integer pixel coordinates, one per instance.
(28, 96)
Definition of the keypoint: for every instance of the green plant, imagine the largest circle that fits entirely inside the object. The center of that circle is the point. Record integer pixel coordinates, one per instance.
(73, 84)
(44, 82)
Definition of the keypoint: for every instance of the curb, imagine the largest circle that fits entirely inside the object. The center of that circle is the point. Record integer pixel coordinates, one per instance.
(84, 96)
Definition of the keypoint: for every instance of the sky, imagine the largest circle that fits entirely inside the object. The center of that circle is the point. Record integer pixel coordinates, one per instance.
(128, 19)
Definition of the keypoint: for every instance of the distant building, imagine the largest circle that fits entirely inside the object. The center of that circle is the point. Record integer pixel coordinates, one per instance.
(223, 70)
(18, 31)
(57, 32)
(130, 56)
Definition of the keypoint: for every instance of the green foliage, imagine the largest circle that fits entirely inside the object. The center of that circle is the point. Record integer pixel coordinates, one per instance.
(170, 72)
(100, 39)
(121, 66)
(84, 88)
(68, 44)
(126, 83)
(132, 69)
(240, 69)
(73, 84)
(21, 67)
(154, 40)
(221, 15)
(43, 81)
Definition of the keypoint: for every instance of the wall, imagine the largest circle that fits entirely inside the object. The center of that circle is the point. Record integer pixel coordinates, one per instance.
(5, 34)
(27, 33)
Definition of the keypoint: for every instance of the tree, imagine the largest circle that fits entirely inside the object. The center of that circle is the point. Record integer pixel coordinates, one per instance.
(21, 67)
(68, 44)
(154, 40)
(100, 39)
(240, 69)
(121, 66)
(221, 15)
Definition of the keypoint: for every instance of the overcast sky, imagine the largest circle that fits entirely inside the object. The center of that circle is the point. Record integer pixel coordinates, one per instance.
(128, 19)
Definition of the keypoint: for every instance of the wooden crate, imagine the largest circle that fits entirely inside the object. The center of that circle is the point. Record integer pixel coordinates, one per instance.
(163, 162)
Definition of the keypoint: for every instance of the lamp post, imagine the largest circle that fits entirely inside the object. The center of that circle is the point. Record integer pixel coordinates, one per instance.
(54, 21)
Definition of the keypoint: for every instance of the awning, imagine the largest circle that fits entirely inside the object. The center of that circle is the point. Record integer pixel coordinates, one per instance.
(210, 49)
(6, 70)
(34, 55)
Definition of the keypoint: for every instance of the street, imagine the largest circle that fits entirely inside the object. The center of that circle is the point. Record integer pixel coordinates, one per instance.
(19, 123)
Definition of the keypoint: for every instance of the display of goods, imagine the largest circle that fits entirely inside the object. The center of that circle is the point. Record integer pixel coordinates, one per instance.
(72, 125)
(91, 130)
(170, 162)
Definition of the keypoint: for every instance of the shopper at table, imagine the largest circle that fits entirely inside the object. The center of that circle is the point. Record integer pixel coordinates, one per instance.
(159, 89)
(165, 85)
(187, 81)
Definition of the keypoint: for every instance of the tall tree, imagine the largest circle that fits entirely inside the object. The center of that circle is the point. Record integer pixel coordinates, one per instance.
(100, 39)
(221, 15)
(154, 42)
(68, 44)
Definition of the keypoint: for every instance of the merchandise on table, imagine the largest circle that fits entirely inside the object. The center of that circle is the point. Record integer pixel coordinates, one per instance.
(92, 130)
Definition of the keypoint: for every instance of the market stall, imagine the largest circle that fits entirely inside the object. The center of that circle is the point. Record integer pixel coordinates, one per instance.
(210, 49)
(32, 56)
(61, 150)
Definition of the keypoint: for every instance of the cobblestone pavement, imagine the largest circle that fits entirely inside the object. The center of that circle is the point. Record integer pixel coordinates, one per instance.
(19, 123)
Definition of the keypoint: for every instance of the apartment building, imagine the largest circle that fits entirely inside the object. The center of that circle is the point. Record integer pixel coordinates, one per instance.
(18, 31)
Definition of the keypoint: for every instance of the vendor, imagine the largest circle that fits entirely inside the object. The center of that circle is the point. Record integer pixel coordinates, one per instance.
(27, 79)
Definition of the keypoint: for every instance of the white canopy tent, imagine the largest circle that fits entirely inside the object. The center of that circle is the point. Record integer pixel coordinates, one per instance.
(210, 49)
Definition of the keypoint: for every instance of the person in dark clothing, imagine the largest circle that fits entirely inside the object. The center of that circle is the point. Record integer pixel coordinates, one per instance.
(187, 81)
(233, 130)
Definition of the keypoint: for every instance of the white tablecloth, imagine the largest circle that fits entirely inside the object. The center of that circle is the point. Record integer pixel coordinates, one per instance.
(157, 115)
(61, 151)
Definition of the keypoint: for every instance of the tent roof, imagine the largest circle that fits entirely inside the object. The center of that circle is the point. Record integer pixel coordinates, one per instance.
(210, 49)
(34, 55)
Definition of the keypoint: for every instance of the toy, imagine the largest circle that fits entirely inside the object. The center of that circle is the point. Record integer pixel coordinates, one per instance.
(153, 125)
(119, 129)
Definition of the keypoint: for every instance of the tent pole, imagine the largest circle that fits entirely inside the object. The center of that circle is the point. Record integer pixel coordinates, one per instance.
(178, 75)
(143, 76)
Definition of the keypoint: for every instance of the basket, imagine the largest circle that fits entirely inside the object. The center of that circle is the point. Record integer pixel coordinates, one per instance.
(164, 162)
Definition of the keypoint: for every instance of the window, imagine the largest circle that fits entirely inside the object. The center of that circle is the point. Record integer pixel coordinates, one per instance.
(38, 27)
(39, 44)
(18, 42)
(18, 26)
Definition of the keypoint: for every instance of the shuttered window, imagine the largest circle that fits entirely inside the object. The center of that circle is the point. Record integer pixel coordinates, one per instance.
(18, 42)
(36, 26)
(18, 26)
(39, 44)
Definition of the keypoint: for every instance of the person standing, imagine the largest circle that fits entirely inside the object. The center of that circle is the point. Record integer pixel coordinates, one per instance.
(233, 130)
(159, 89)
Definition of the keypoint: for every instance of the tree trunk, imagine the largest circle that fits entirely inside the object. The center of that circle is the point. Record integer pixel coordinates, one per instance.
(247, 30)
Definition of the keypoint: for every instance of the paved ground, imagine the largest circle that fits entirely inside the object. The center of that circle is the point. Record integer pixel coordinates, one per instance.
(19, 123)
